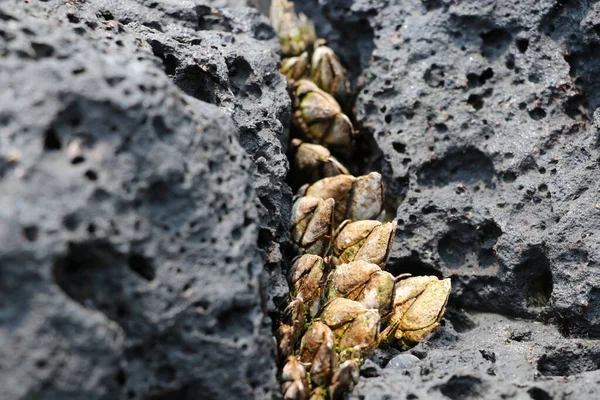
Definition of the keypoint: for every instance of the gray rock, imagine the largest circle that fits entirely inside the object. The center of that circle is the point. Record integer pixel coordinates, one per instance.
(228, 57)
(130, 265)
(487, 361)
(479, 116)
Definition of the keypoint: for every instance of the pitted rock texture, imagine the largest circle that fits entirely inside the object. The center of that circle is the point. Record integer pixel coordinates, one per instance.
(481, 116)
(222, 56)
(226, 57)
(487, 356)
(130, 266)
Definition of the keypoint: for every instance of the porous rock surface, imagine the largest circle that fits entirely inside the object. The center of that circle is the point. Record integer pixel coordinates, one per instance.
(480, 117)
(132, 210)
(486, 356)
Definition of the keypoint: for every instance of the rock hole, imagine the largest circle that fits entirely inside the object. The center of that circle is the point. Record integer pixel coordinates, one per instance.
(71, 221)
(467, 166)
(412, 265)
(92, 273)
(160, 126)
(207, 21)
(567, 362)
(121, 378)
(486, 75)
(51, 140)
(78, 159)
(534, 277)
(30, 232)
(170, 62)
(475, 101)
(522, 44)
(510, 61)
(198, 83)
(105, 15)
(459, 246)
(91, 175)
(539, 394)
(141, 266)
(576, 107)
(463, 387)
(537, 113)
(434, 76)
(263, 31)
(42, 50)
(461, 322)
(399, 147)
(73, 18)
(495, 42)
(441, 128)
(239, 72)
(508, 176)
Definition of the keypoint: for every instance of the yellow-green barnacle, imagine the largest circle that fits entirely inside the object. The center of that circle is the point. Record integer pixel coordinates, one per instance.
(312, 224)
(311, 162)
(307, 30)
(295, 315)
(318, 394)
(363, 282)
(285, 341)
(344, 379)
(306, 278)
(295, 68)
(294, 382)
(317, 349)
(366, 240)
(328, 73)
(319, 118)
(355, 198)
(296, 33)
(353, 325)
(419, 305)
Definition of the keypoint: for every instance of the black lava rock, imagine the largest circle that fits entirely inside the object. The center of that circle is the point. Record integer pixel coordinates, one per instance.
(137, 218)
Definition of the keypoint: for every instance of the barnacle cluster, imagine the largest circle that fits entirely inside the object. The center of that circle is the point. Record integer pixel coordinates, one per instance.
(342, 302)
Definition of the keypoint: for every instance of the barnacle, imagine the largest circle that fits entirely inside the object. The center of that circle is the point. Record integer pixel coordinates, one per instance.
(344, 379)
(306, 277)
(312, 224)
(419, 304)
(296, 32)
(310, 162)
(363, 282)
(340, 296)
(366, 240)
(294, 381)
(354, 326)
(320, 119)
(295, 68)
(318, 350)
(328, 73)
(355, 198)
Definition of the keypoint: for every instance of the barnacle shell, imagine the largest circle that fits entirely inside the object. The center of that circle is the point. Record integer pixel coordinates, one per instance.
(355, 198)
(320, 119)
(419, 305)
(363, 282)
(312, 224)
(366, 240)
